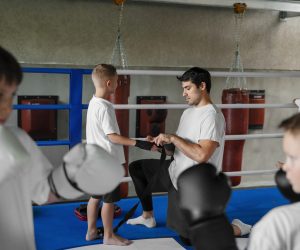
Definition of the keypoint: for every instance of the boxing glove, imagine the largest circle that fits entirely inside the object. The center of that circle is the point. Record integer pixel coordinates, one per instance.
(12, 154)
(146, 145)
(285, 187)
(86, 169)
(170, 147)
(203, 194)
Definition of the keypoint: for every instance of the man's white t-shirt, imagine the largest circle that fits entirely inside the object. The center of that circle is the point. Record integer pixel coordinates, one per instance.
(101, 121)
(277, 230)
(17, 191)
(196, 124)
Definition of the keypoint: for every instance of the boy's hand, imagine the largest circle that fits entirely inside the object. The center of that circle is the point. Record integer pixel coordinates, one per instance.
(149, 138)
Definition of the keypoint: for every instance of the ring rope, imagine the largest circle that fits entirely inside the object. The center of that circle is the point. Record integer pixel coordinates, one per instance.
(151, 106)
(231, 174)
(243, 136)
(212, 73)
(184, 106)
(252, 136)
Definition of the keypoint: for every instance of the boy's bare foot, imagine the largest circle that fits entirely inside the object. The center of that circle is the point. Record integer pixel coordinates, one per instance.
(126, 241)
(116, 240)
(93, 235)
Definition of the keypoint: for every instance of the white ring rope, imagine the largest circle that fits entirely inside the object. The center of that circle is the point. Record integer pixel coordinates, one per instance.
(242, 137)
(254, 172)
(227, 137)
(252, 136)
(213, 73)
(231, 174)
(184, 106)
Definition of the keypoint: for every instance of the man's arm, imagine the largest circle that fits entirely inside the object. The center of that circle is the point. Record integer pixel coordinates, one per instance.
(199, 152)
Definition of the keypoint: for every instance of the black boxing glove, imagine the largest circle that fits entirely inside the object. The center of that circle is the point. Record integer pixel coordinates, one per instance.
(203, 194)
(285, 187)
(146, 145)
(169, 147)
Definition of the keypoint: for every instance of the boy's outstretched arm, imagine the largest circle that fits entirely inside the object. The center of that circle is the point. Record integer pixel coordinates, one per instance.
(123, 140)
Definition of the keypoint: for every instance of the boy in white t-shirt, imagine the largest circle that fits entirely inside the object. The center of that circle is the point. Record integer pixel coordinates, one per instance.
(102, 129)
(279, 229)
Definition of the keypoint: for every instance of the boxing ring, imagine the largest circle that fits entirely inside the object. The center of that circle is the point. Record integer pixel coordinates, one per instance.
(75, 108)
(75, 105)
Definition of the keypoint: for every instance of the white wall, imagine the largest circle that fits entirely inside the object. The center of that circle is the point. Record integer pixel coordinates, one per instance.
(82, 33)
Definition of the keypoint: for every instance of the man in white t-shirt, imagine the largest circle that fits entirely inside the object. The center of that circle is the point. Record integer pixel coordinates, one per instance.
(277, 230)
(199, 138)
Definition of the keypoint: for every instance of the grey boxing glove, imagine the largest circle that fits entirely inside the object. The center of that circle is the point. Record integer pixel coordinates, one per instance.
(86, 169)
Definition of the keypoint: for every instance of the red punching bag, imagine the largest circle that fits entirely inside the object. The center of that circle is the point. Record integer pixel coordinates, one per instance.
(256, 116)
(235, 93)
(236, 123)
(121, 97)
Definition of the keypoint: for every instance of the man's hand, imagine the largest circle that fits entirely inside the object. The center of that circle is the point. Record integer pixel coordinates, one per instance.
(162, 139)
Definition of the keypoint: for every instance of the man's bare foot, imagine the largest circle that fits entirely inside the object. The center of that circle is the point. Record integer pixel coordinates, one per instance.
(116, 240)
(240, 228)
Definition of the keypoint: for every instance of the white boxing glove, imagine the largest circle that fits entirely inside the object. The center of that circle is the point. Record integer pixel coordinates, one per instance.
(12, 154)
(87, 169)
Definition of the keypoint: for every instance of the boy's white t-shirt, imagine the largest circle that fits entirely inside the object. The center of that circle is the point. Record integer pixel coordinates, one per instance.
(196, 124)
(277, 230)
(101, 121)
(18, 189)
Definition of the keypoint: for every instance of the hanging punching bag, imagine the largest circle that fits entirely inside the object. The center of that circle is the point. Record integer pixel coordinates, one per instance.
(236, 124)
(235, 93)
(121, 97)
(257, 116)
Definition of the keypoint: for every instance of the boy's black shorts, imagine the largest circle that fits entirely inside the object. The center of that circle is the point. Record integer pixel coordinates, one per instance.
(111, 197)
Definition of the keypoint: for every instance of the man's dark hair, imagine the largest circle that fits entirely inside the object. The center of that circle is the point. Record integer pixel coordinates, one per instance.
(196, 75)
(10, 69)
(291, 124)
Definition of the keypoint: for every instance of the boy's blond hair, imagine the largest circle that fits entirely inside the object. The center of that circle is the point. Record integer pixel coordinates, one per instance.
(104, 72)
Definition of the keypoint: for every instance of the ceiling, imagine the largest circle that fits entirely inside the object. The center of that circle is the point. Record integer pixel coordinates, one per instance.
(288, 6)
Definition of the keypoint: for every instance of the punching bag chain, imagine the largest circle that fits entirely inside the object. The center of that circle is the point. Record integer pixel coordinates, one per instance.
(237, 66)
(119, 51)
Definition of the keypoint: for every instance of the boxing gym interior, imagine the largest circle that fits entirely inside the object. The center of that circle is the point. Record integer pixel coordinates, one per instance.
(252, 53)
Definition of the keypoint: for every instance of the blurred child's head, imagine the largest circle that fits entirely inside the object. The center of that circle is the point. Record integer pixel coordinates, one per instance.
(10, 78)
(105, 76)
(291, 147)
